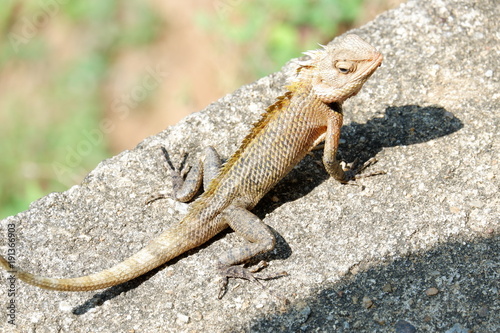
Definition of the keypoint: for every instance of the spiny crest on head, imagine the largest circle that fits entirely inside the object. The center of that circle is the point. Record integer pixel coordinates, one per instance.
(315, 56)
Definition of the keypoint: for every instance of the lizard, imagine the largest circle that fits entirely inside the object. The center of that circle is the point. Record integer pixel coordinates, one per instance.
(308, 113)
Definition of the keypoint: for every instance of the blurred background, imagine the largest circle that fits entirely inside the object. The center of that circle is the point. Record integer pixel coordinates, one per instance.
(81, 81)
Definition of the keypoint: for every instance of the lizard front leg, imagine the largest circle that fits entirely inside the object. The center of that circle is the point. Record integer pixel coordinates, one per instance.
(186, 184)
(330, 161)
(260, 239)
(184, 189)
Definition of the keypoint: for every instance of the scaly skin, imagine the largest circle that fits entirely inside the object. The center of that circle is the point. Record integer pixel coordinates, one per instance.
(308, 113)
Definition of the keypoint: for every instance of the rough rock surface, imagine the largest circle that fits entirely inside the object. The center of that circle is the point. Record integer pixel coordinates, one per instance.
(416, 249)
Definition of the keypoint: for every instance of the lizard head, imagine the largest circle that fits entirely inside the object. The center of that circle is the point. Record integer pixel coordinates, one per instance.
(339, 69)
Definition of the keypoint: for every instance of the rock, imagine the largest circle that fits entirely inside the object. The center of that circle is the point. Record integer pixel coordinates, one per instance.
(388, 288)
(457, 328)
(432, 291)
(367, 302)
(403, 326)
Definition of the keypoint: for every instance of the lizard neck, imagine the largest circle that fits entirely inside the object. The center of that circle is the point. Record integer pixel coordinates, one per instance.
(336, 107)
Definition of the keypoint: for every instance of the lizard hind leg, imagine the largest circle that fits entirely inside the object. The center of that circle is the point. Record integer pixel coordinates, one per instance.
(260, 239)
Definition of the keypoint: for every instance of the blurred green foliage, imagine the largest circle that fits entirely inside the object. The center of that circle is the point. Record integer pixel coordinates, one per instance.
(37, 130)
(69, 103)
(284, 27)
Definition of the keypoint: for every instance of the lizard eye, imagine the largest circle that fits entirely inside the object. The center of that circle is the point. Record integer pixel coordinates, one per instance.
(345, 67)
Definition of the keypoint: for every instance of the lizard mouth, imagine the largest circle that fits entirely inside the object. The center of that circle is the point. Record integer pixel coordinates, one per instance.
(377, 62)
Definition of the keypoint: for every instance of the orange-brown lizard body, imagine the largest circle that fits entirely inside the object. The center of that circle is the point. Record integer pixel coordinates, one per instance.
(308, 113)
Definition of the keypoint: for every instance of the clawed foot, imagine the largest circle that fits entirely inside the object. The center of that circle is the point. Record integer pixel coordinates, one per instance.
(185, 180)
(354, 170)
(241, 272)
(156, 196)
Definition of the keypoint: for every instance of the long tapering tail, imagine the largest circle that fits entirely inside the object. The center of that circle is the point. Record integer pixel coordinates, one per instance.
(165, 247)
